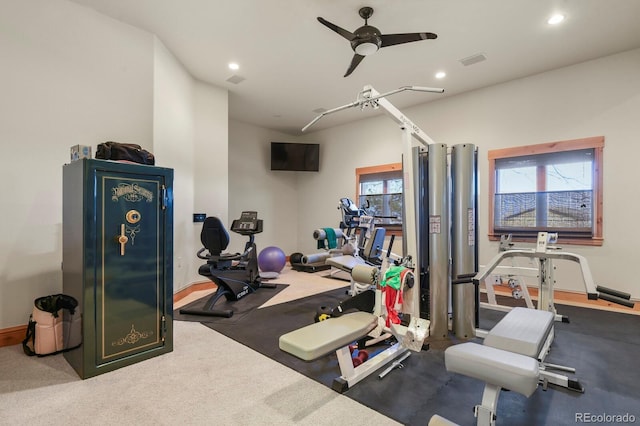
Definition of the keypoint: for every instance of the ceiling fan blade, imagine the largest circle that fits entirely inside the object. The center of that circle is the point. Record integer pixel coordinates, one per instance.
(344, 33)
(392, 39)
(354, 63)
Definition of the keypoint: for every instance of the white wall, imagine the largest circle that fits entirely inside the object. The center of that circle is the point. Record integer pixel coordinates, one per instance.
(253, 186)
(68, 76)
(173, 145)
(211, 152)
(190, 136)
(600, 97)
(73, 76)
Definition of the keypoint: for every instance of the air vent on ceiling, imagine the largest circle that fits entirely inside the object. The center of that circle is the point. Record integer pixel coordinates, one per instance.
(235, 79)
(473, 59)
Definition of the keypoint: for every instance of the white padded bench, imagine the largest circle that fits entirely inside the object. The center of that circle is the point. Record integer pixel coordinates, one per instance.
(522, 330)
(321, 338)
(509, 358)
(345, 263)
(336, 334)
(507, 370)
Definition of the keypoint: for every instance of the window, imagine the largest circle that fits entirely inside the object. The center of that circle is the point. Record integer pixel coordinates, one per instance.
(554, 187)
(380, 188)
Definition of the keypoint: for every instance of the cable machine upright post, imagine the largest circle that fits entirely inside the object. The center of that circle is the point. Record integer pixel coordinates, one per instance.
(369, 97)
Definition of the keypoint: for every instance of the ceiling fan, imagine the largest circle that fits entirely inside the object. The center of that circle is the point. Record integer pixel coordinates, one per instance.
(366, 40)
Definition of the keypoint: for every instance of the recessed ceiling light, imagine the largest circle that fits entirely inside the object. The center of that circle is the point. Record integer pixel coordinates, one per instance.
(233, 66)
(555, 19)
(441, 74)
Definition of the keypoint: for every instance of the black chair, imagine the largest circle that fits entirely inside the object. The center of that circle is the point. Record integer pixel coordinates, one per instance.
(235, 274)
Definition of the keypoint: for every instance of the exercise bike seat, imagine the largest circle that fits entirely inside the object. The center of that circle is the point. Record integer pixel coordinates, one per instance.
(214, 236)
(215, 239)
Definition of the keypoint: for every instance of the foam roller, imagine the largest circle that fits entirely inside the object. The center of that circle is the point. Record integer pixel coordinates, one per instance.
(365, 274)
(319, 234)
(315, 258)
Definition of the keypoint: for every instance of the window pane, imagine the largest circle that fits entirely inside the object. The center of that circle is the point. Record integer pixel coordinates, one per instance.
(520, 179)
(395, 208)
(374, 187)
(387, 207)
(570, 211)
(565, 204)
(554, 186)
(515, 210)
(394, 186)
(373, 204)
(572, 176)
(380, 192)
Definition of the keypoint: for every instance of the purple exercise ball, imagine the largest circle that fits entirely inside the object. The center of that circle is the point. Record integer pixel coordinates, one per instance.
(271, 259)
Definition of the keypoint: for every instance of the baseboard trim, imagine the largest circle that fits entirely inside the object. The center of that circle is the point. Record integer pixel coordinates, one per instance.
(566, 297)
(204, 285)
(12, 335)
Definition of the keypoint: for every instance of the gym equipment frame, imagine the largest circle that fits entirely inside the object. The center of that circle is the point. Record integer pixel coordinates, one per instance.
(427, 243)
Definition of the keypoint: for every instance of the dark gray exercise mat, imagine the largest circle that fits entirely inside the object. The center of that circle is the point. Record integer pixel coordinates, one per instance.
(602, 346)
(240, 307)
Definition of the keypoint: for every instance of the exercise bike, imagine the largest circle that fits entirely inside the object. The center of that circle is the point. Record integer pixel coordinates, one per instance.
(236, 275)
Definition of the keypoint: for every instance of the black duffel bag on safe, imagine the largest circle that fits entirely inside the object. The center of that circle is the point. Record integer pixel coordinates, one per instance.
(124, 151)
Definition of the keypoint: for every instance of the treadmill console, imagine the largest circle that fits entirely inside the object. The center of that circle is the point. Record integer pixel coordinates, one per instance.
(248, 224)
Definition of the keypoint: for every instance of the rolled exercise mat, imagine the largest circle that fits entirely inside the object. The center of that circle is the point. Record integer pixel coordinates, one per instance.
(315, 258)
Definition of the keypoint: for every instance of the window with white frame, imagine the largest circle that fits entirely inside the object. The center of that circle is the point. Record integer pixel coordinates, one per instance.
(553, 187)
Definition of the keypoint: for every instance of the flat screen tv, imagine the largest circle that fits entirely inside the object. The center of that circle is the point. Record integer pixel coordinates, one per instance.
(299, 157)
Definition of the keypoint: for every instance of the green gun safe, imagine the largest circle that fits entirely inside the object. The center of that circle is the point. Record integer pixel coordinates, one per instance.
(117, 261)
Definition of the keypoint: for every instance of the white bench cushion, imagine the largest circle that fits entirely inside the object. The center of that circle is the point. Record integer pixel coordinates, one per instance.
(508, 370)
(522, 331)
(345, 263)
(321, 338)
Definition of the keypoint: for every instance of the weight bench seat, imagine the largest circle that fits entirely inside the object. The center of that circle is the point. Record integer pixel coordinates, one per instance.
(321, 338)
(523, 331)
(497, 367)
(508, 359)
(345, 263)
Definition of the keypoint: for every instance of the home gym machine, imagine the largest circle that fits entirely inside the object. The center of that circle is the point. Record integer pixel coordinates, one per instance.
(356, 242)
(334, 241)
(542, 258)
(439, 220)
(236, 275)
(513, 352)
(439, 224)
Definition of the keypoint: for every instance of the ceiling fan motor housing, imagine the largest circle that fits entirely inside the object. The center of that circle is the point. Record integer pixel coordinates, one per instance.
(367, 40)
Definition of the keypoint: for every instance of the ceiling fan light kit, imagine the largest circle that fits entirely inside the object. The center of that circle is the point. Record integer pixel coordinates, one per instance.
(367, 39)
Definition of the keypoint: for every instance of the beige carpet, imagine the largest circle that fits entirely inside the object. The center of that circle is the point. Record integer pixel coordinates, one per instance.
(208, 379)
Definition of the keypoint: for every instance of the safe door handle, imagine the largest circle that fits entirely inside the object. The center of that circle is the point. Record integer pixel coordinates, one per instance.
(122, 239)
